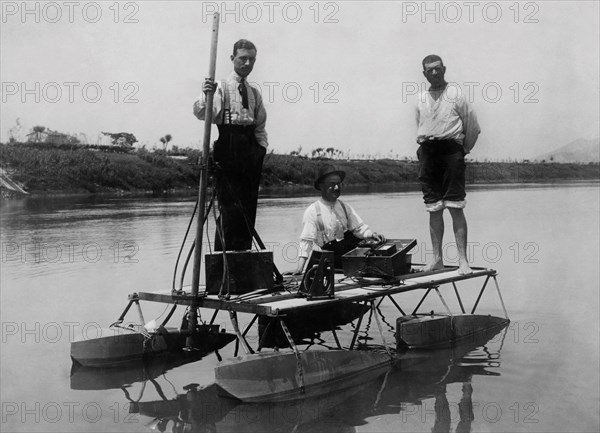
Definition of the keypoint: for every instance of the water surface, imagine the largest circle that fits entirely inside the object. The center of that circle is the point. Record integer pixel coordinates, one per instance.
(68, 265)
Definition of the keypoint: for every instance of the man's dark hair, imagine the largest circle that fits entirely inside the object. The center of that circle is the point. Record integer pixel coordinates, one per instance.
(432, 58)
(243, 44)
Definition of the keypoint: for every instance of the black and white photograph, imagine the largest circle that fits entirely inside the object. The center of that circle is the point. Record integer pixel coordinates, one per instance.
(300, 216)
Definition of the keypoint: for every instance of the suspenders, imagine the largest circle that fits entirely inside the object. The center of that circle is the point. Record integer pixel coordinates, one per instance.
(226, 120)
(320, 224)
(226, 116)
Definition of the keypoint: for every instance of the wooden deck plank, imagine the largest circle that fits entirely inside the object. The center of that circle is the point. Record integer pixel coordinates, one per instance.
(347, 290)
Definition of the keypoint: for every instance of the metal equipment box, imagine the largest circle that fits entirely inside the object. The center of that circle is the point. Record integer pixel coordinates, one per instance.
(246, 271)
(377, 262)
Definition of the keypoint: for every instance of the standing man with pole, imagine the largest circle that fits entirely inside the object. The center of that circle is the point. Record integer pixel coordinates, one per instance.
(447, 131)
(240, 116)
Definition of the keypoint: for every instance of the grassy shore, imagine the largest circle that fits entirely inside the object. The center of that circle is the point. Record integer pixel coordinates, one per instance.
(53, 169)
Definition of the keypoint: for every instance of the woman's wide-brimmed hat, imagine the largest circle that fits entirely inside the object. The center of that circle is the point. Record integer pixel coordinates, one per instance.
(325, 171)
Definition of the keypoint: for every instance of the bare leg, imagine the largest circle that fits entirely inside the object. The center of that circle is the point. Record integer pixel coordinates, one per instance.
(436, 230)
(459, 224)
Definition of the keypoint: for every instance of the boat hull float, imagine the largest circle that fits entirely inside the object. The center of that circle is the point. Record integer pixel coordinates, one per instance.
(116, 346)
(436, 330)
(283, 376)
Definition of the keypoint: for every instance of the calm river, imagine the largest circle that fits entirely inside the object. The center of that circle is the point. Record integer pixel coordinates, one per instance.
(68, 265)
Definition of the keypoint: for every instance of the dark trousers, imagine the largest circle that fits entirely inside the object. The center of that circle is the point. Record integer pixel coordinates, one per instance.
(442, 171)
(342, 247)
(240, 159)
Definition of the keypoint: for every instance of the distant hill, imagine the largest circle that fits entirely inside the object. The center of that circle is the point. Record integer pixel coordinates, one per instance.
(580, 150)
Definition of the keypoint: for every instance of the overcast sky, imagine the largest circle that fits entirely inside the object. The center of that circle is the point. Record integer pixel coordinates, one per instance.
(333, 74)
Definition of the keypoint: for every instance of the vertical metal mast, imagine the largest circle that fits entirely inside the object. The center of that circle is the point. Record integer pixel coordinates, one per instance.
(193, 314)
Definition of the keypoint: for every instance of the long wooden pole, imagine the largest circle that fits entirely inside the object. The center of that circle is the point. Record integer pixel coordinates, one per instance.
(193, 314)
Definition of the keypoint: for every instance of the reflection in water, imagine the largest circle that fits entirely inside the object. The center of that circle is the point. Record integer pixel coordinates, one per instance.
(425, 374)
(417, 376)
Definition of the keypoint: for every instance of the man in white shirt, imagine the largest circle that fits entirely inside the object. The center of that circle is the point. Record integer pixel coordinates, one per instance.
(329, 224)
(240, 116)
(447, 131)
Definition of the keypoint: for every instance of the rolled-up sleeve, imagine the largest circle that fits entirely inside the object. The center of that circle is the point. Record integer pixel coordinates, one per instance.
(357, 226)
(200, 105)
(471, 128)
(308, 237)
(306, 247)
(261, 120)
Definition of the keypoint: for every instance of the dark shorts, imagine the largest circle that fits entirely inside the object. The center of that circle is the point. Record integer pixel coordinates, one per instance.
(442, 174)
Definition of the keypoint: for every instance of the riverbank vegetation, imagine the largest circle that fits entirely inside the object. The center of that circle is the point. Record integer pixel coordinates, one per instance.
(42, 168)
